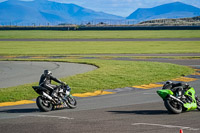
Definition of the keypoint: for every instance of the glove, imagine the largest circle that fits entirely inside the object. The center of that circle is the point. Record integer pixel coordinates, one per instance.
(63, 83)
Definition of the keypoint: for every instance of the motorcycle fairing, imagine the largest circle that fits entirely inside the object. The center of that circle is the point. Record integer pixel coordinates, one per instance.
(193, 104)
(164, 93)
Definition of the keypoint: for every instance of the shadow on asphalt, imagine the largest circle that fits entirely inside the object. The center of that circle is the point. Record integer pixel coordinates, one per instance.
(142, 112)
(32, 110)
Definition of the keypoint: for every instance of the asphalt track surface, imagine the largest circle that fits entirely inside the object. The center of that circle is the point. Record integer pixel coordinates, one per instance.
(13, 73)
(130, 111)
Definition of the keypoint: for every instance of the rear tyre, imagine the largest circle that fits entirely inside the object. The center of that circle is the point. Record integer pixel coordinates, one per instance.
(43, 104)
(173, 106)
(71, 102)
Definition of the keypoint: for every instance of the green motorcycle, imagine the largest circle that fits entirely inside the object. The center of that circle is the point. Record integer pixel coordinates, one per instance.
(179, 97)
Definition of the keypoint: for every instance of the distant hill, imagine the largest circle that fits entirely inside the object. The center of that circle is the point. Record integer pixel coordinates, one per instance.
(171, 10)
(193, 21)
(44, 12)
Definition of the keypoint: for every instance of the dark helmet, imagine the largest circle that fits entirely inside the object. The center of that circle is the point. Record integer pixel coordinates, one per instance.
(169, 82)
(168, 85)
(185, 86)
(47, 72)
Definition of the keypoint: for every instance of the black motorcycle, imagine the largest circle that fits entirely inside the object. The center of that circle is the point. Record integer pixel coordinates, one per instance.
(61, 99)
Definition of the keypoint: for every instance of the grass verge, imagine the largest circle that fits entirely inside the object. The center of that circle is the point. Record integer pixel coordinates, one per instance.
(36, 34)
(66, 48)
(110, 75)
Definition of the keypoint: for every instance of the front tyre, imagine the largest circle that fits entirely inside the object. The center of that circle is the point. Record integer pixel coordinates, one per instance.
(43, 104)
(173, 106)
(198, 102)
(71, 102)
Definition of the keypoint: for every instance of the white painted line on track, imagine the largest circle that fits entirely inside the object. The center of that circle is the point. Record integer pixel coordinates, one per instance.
(47, 116)
(166, 126)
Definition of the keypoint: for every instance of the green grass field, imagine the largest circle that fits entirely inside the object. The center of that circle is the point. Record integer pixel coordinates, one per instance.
(65, 48)
(111, 74)
(35, 34)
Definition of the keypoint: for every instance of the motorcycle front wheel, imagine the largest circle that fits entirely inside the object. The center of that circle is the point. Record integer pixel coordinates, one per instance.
(198, 102)
(43, 104)
(71, 102)
(173, 106)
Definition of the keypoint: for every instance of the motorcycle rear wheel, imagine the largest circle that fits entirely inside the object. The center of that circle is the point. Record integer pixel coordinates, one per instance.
(43, 104)
(173, 106)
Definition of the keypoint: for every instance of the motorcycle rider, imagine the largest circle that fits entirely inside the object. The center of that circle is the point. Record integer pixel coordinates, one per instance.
(45, 81)
(177, 88)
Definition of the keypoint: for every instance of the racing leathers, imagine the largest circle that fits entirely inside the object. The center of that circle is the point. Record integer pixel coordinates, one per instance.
(178, 88)
(45, 81)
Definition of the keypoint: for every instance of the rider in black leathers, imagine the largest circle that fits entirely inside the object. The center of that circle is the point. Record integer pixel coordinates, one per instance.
(177, 88)
(45, 81)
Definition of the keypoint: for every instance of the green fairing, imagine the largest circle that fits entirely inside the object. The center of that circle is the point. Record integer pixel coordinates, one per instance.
(190, 106)
(193, 105)
(191, 93)
(163, 93)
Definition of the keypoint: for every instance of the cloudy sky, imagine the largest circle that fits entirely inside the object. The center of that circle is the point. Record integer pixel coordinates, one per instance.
(122, 7)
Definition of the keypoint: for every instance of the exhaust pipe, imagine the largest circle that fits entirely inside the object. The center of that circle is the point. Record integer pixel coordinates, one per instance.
(178, 100)
(46, 95)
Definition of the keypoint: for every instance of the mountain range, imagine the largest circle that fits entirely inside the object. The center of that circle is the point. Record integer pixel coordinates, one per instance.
(171, 10)
(44, 12)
